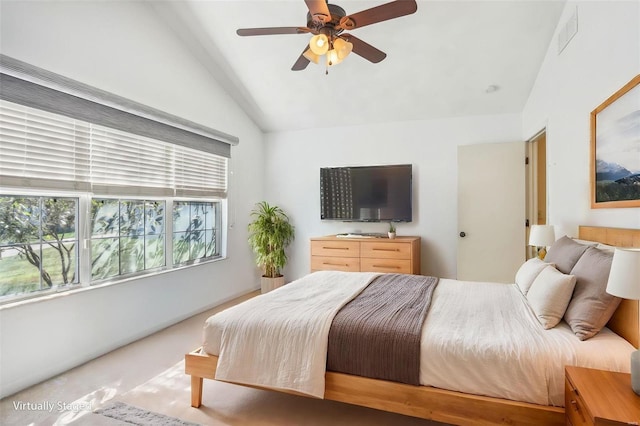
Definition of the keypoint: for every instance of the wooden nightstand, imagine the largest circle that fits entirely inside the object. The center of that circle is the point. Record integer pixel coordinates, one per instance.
(598, 397)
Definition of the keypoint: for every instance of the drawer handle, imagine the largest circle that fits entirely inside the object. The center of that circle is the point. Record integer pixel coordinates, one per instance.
(574, 404)
(576, 407)
(335, 264)
(335, 248)
(387, 266)
(384, 249)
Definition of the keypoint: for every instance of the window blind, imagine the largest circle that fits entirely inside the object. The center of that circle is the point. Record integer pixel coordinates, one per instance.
(35, 87)
(40, 149)
(50, 151)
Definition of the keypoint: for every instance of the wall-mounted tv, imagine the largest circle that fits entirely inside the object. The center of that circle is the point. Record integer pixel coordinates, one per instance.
(366, 193)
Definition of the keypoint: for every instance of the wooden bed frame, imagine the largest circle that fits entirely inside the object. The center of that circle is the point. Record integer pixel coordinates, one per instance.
(442, 405)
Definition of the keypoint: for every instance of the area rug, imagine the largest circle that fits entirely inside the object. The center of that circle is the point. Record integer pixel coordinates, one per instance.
(131, 415)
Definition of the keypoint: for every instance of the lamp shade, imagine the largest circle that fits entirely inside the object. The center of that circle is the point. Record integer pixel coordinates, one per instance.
(333, 58)
(624, 277)
(542, 235)
(342, 47)
(312, 57)
(319, 44)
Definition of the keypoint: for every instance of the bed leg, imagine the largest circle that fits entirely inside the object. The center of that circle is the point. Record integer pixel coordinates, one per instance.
(196, 391)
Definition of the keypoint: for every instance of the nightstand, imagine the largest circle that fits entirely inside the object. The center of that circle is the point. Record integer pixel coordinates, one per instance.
(598, 397)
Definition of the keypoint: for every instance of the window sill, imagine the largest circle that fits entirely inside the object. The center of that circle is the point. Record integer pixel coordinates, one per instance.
(80, 288)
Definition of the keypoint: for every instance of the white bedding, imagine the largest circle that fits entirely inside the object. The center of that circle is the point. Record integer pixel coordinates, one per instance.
(484, 339)
(478, 338)
(279, 339)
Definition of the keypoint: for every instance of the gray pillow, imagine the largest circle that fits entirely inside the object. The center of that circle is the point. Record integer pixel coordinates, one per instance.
(591, 306)
(565, 254)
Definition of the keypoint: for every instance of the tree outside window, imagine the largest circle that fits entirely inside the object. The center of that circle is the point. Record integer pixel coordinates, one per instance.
(38, 243)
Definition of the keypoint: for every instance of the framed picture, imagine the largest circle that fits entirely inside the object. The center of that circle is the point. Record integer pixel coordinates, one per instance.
(615, 149)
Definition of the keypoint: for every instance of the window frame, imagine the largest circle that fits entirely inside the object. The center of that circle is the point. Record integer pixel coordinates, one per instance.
(33, 87)
(84, 233)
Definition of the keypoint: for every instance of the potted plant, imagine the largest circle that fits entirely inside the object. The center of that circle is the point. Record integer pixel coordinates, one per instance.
(392, 231)
(269, 234)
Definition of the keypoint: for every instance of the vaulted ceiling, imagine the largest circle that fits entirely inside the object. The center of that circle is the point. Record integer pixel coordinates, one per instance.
(450, 58)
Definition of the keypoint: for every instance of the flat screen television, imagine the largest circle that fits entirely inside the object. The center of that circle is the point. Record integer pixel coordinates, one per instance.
(366, 193)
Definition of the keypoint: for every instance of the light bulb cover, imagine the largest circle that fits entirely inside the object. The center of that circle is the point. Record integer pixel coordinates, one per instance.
(342, 47)
(333, 58)
(319, 44)
(312, 57)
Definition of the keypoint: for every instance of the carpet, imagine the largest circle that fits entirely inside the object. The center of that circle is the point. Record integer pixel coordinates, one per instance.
(130, 415)
(225, 404)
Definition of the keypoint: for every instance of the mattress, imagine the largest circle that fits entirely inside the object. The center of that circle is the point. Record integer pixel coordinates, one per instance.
(484, 339)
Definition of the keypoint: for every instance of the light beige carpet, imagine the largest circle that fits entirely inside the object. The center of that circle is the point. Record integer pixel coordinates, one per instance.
(226, 404)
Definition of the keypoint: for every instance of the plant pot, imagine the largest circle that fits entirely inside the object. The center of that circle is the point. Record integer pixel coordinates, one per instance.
(267, 284)
(392, 235)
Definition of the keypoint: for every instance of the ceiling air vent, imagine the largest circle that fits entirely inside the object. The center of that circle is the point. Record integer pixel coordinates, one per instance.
(567, 32)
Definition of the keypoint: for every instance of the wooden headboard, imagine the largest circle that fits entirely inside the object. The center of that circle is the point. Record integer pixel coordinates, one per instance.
(626, 320)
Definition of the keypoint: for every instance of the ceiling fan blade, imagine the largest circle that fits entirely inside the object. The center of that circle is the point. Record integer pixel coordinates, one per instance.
(272, 31)
(319, 10)
(364, 49)
(302, 62)
(384, 12)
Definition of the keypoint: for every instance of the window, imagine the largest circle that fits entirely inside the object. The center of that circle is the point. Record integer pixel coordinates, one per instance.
(121, 166)
(38, 243)
(194, 231)
(127, 236)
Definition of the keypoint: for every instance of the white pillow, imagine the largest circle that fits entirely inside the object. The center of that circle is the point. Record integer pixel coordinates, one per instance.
(550, 295)
(528, 272)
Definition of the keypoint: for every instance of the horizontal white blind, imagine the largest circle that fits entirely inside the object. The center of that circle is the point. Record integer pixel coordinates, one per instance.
(198, 174)
(28, 85)
(41, 149)
(44, 150)
(129, 164)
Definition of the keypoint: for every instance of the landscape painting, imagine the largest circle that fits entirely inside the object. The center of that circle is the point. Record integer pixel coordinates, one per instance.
(615, 149)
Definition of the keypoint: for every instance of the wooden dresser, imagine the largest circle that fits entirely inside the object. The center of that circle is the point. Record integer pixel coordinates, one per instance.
(400, 255)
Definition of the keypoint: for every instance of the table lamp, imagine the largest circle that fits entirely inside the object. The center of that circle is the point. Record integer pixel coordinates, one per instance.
(542, 236)
(624, 281)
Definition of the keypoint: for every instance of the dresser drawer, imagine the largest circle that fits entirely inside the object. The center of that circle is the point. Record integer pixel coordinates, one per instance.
(385, 250)
(335, 248)
(327, 263)
(575, 409)
(397, 266)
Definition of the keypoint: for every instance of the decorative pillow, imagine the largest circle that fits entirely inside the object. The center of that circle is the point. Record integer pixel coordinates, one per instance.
(565, 254)
(605, 247)
(528, 272)
(549, 295)
(591, 306)
(585, 242)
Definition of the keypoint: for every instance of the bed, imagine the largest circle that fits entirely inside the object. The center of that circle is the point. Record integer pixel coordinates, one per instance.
(450, 406)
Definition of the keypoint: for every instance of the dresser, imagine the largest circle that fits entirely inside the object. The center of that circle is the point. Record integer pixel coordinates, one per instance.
(400, 255)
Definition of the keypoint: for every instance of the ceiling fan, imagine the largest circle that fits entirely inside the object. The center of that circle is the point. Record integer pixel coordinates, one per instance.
(327, 23)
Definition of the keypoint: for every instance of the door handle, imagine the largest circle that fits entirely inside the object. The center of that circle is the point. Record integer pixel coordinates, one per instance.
(462, 234)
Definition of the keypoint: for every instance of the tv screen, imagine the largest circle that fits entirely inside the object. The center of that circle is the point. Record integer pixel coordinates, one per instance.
(366, 193)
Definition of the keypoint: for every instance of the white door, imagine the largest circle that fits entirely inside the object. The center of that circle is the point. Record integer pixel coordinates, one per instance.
(491, 211)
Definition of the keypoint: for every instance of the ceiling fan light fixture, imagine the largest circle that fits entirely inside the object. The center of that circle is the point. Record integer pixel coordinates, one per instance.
(312, 57)
(319, 44)
(333, 58)
(342, 47)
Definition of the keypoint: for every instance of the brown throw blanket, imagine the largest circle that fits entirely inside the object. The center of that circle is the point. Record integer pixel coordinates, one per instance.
(377, 334)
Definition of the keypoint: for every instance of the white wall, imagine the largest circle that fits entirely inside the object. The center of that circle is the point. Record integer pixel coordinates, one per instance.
(123, 48)
(293, 178)
(602, 57)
